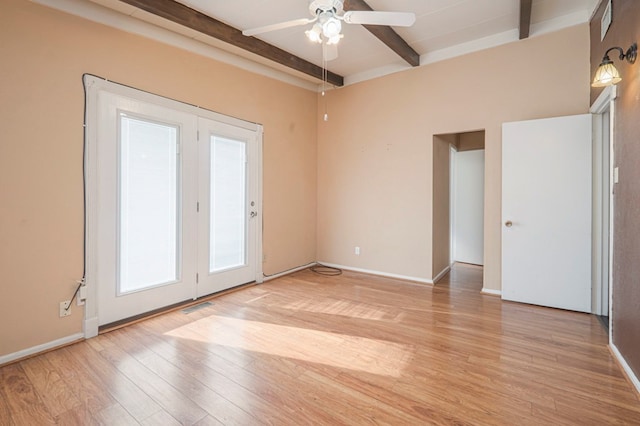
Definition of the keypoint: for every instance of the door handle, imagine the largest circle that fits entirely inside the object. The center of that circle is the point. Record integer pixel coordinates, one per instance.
(508, 224)
(254, 214)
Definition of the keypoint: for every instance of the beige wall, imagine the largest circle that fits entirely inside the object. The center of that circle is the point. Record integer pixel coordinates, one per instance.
(375, 156)
(44, 54)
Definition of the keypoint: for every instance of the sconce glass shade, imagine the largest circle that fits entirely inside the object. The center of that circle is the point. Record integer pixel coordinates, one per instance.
(606, 75)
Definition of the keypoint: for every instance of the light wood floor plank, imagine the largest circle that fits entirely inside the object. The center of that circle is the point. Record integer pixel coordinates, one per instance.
(115, 385)
(354, 349)
(5, 413)
(83, 383)
(56, 395)
(115, 415)
(24, 403)
(163, 393)
(184, 377)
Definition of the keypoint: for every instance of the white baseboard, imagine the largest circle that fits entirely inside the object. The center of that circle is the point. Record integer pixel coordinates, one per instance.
(627, 369)
(491, 291)
(442, 273)
(288, 271)
(90, 327)
(379, 273)
(4, 359)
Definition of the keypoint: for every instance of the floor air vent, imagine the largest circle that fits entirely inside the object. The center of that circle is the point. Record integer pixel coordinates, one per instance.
(196, 307)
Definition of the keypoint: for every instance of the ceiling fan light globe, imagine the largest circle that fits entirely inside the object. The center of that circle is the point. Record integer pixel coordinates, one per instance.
(314, 34)
(331, 27)
(335, 39)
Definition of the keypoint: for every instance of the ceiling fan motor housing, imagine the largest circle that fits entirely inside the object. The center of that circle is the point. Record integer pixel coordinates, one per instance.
(319, 6)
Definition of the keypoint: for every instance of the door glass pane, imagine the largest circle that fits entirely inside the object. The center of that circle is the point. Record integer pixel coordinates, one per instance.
(228, 204)
(148, 204)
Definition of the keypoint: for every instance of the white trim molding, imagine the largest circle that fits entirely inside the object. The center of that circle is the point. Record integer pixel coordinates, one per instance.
(491, 291)
(625, 367)
(34, 350)
(442, 273)
(287, 272)
(603, 101)
(606, 102)
(379, 273)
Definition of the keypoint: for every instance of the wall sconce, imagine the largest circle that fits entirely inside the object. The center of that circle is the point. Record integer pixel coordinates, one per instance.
(607, 74)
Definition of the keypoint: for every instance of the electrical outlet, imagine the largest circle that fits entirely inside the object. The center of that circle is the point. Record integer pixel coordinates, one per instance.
(356, 251)
(63, 308)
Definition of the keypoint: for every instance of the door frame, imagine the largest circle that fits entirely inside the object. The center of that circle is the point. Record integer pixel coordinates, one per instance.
(93, 85)
(604, 103)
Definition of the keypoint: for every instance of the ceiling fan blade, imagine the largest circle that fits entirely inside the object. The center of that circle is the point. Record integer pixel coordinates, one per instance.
(393, 19)
(329, 52)
(295, 23)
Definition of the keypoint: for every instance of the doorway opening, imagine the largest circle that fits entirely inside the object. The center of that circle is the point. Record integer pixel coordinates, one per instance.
(458, 200)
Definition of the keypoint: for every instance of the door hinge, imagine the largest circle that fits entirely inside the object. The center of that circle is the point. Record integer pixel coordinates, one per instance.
(198, 207)
(198, 135)
(197, 278)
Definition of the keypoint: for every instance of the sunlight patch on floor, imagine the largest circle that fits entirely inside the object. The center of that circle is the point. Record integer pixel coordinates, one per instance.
(321, 347)
(345, 308)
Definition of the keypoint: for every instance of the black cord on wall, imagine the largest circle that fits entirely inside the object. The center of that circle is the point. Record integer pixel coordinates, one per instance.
(326, 270)
(84, 197)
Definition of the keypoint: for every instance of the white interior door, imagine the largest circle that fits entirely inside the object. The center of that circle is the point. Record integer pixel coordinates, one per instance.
(146, 222)
(546, 212)
(228, 206)
(468, 217)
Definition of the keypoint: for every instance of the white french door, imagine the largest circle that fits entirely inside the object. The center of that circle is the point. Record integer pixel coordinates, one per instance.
(173, 202)
(146, 219)
(228, 207)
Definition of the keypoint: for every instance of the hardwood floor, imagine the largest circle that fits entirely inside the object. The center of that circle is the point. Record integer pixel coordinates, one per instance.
(354, 349)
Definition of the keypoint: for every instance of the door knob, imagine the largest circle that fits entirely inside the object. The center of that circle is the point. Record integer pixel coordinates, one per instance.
(508, 224)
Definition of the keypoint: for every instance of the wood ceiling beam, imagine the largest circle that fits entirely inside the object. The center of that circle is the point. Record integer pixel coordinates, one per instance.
(190, 18)
(386, 34)
(525, 18)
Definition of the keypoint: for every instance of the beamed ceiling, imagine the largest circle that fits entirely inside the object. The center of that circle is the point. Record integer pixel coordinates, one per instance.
(443, 29)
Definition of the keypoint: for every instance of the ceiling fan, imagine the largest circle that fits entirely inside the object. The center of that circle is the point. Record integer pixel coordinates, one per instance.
(328, 15)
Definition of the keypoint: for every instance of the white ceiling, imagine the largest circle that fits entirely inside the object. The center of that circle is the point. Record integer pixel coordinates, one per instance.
(443, 28)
